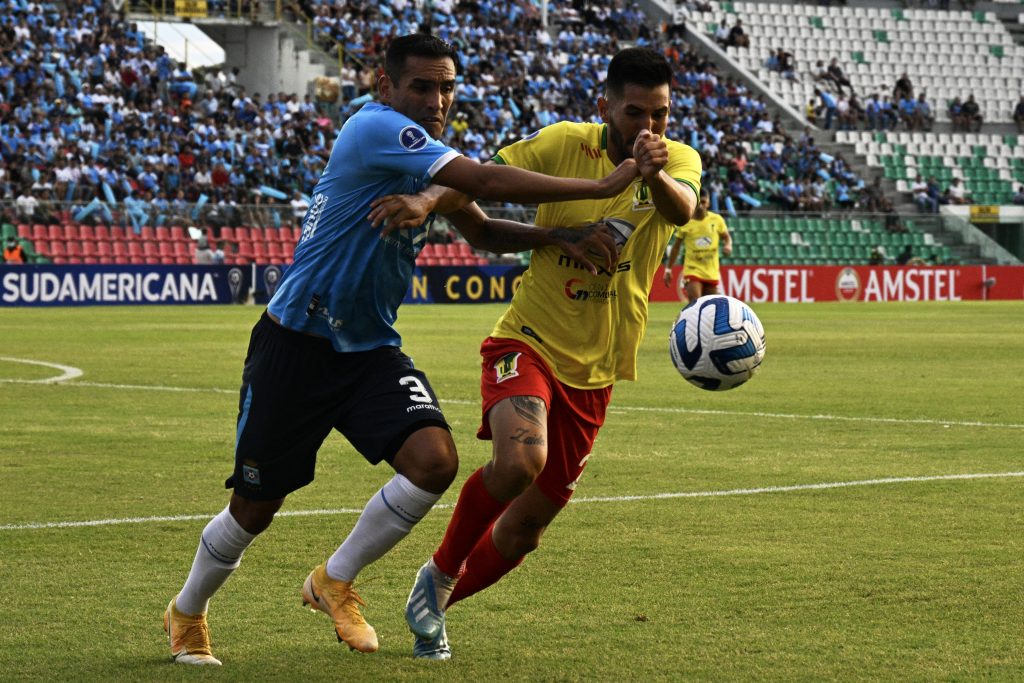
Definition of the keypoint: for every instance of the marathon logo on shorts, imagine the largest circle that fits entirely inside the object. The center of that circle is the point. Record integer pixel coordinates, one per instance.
(507, 367)
(251, 475)
(412, 138)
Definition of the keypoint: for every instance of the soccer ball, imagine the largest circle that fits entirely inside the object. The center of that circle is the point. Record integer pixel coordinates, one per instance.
(717, 343)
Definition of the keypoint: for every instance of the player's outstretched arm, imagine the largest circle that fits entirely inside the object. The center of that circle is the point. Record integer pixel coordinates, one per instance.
(510, 184)
(591, 245)
(404, 211)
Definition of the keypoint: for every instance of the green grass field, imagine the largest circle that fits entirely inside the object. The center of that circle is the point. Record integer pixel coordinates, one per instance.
(680, 560)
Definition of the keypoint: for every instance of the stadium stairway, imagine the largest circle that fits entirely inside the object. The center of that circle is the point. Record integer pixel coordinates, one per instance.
(986, 163)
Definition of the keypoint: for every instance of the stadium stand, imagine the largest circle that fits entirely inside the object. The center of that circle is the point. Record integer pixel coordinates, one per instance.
(104, 137)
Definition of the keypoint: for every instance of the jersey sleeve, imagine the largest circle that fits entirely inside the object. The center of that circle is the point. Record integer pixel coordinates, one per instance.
(721, 228)
(536, 151)
(394, 143)
(684, 165)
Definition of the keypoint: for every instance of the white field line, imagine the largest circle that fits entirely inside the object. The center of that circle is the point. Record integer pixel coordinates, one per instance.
(611, 409)
(582, 500)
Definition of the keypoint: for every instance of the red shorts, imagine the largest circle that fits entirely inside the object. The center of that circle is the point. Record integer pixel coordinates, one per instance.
(512, 368)
(691, 278)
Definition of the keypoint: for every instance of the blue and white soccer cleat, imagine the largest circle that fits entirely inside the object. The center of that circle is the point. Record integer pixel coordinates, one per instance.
(425, 618)
(436, 648)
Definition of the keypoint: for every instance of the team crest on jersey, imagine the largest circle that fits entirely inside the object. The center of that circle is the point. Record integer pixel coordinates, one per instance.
(703, 241)
(642, 200)
(507, 367)
(412, 138)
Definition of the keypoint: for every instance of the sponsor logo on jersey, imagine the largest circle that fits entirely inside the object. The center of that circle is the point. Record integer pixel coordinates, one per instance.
(594, 292)
(507, 367)
(412, 138)
(620, 267)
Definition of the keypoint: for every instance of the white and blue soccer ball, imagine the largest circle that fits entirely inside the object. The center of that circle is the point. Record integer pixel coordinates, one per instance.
(717, 343)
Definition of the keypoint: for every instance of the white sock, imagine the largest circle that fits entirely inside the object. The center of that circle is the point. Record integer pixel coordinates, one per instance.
(219, 554)
(387, 519)
(443, 584)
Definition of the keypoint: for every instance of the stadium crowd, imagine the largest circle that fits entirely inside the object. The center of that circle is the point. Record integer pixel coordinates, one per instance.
(99, 125)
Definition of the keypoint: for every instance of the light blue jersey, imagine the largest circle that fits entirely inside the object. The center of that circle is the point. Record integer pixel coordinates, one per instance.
(346, 282)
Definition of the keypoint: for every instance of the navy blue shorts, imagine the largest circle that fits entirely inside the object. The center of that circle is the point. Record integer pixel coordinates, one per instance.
(297, 388)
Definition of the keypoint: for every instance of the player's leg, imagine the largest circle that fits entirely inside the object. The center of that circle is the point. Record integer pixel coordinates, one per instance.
(694, 289)
(277, 436)
(709, 288)
(396, 419)
(575, 417)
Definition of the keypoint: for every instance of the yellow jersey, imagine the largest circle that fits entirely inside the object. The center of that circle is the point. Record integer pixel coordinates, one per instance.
(700, 239)
(589, 327)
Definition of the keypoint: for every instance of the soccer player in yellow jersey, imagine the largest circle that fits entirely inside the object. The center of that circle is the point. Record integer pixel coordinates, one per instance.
(571, 331)
(700, 237)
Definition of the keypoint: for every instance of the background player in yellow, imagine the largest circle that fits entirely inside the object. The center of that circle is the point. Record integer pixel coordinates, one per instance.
(700, 237)
(571, 331)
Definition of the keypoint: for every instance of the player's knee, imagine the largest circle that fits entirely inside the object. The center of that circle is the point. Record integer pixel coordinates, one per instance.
(428, 459)
(254, 515)
(515, 469)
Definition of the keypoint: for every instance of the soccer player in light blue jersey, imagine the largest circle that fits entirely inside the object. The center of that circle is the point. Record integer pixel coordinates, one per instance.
(325, 354)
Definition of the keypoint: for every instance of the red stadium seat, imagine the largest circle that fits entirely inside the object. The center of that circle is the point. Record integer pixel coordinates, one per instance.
(119, 251)
(162, 233)
(57, 248)
(464, 249)
(481, 261)
(241, 260)
(134, 248)
(104, 252)
(71, 232)
(86, 232)
(183, 260)
(426, 252)
(444, 261)
(183, 249)
(227, 234)
(178, 234)
(166, 248)
(275, 253)
(259, 252)
(150, 249)
(42, 247)
(89, 249)
(90, 260)
(114, 233)
(25, 231)
(40, 232)
(429, 261)
(147, 233)
(167, 260)
(55, 232)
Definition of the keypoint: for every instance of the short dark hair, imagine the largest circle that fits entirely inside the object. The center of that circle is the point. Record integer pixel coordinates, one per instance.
(416, 45)
(639, 66)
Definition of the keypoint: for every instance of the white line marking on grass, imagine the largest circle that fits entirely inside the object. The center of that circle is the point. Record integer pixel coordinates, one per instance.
(838, 418)
(69, 372)
(611, 409)
(595, 499)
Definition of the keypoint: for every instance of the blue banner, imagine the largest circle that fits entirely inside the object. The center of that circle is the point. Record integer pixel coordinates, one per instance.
(109, 285)
(464, 284)
(80, 285)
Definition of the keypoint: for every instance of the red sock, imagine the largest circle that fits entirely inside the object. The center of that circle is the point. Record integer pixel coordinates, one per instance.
(473, 515)
(484, 567)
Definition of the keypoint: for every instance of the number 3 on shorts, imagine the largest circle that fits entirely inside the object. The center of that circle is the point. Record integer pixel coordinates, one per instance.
(417, 392)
